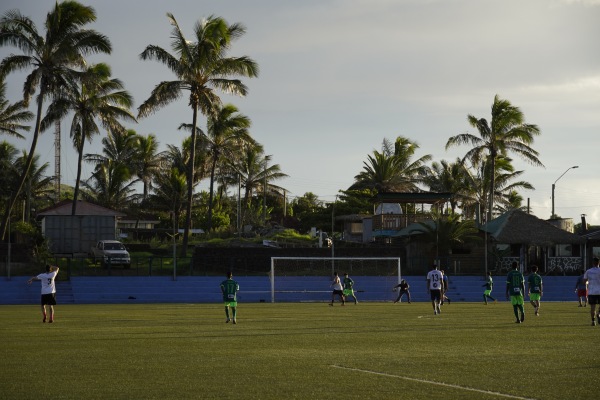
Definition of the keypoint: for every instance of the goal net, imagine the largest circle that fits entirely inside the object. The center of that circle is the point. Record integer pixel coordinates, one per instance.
(309, 278)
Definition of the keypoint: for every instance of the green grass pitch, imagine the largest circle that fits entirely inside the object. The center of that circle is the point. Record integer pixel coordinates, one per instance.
(298, 350)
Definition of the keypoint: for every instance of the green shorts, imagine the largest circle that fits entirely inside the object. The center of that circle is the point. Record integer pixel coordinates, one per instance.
(487, 292)
(516, 300)
(535, 296)
(231, 304)
(348, 292)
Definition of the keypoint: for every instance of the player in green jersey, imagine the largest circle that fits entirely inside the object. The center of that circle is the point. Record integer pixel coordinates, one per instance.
(488, 285)
(349, 288)
(536, 289)
(515, 287)
(229, 288)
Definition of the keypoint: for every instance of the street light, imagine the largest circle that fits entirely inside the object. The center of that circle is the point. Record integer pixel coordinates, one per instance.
(554, 185)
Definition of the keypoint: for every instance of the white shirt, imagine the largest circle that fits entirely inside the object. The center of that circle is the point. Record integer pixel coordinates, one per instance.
(435, 278)
(47, 279)
(593, 277)
(337, 285)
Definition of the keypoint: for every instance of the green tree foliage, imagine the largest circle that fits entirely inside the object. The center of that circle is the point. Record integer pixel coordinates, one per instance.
(201, 67)
(393, 169)
(52, 57)
(447, 231)
(505, 134)
(96, 98)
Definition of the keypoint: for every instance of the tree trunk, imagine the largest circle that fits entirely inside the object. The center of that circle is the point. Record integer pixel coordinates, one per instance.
(79, 162)
(23, 177)
(190, 189)
(210, 193)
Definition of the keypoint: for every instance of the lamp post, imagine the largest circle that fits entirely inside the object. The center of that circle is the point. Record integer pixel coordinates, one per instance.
(554, 186)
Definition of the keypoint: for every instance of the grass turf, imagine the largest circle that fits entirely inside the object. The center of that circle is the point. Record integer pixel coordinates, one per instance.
(311, 350)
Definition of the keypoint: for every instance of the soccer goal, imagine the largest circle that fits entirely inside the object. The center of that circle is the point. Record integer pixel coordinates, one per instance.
(309, 278)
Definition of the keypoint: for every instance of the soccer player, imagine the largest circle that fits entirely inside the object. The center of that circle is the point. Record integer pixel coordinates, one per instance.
(445, 288)
(536, 289)
(48, 290)
(582, 291)
(592, 278)
(349, 288)
(338, 289)
(488, 285)
(403, 285)
(229, 288)
(435, 285)
(515, 286)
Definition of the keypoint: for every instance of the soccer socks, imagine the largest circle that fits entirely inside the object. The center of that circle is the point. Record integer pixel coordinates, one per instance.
(227, 312)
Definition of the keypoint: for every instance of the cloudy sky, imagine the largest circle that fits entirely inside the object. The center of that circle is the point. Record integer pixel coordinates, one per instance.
(337, 77)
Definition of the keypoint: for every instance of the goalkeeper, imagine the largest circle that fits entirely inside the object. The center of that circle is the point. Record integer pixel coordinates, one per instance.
(349, 288)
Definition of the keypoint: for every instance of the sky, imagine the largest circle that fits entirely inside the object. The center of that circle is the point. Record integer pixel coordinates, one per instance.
(337, 77)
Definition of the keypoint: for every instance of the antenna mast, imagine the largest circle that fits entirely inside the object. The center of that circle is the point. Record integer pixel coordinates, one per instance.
(57, 160)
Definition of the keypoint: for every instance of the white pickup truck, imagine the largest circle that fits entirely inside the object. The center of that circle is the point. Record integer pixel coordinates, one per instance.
(111, 252)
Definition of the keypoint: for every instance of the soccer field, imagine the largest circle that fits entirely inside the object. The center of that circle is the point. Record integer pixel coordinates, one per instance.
(299, 350)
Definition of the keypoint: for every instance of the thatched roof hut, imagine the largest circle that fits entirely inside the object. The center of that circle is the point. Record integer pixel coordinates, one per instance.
(518, 227)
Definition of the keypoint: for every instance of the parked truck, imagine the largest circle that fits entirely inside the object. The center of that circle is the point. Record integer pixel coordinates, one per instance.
(110, 252)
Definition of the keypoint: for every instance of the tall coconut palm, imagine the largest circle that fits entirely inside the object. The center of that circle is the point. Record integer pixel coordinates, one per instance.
(98, 98)
(8, 172)
(13, 115)
(506, 133)
(201, 67)
(474, 194)
(110, 185)
(119, 147)
(227, 132)
(37, 191)
(447, 177)
(51, 57)
(146, 161)
(393, 169)
(169, 192)
(254, 173)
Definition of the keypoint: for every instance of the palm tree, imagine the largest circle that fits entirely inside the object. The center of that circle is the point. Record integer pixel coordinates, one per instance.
(393, 169)
(147, 163)
(12, 115)
(475, 188)
(227, 131)
(447, 231)
(179, 158)
(254, 173)
(201, 67)
(110, 185)
(8, 172)
(51, 57)
(169, 192)
(112, 180)
(98, 98)
(506, 133)
(119, 146)
(37, 191)
(447, 177)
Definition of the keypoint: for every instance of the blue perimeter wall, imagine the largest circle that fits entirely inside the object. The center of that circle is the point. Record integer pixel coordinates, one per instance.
(101, 290)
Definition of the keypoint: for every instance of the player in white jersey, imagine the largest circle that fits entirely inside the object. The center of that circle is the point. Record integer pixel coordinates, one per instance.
(338, 289)
(592, 277)
(435, 286)
(48, 290)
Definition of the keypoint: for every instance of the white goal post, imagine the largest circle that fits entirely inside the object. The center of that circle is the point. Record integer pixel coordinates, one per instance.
(308, 278)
